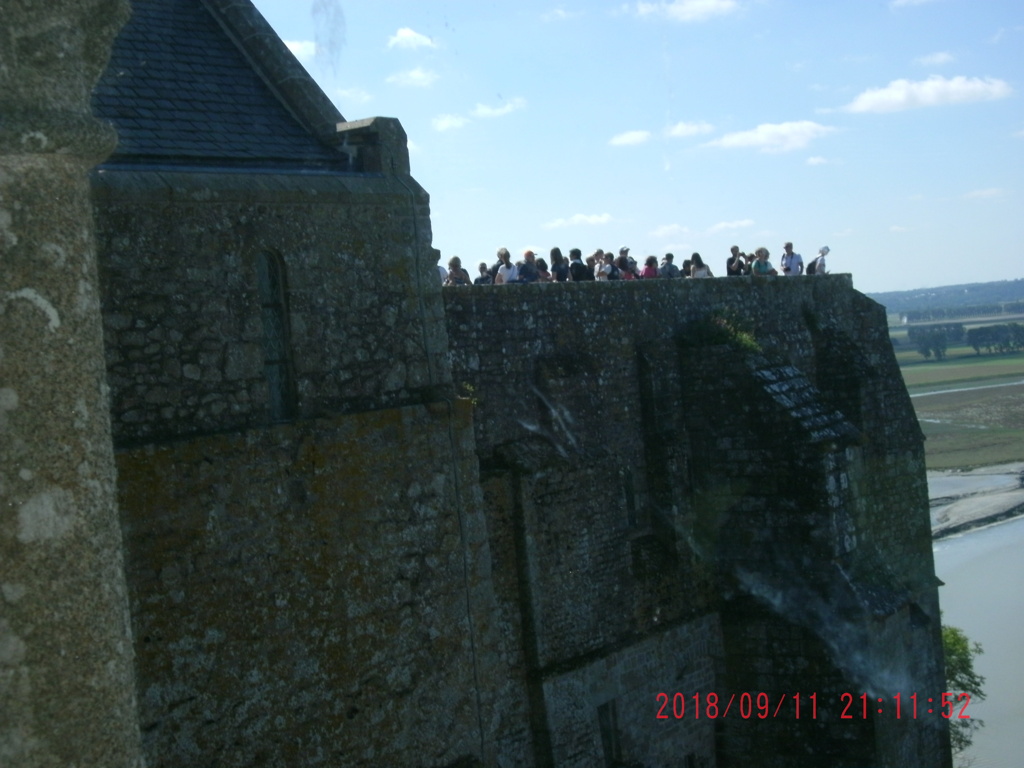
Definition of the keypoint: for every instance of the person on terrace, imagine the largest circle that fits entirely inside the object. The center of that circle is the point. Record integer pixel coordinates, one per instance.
(485, 275)
(698, 268)
(456, 274)
(792, 263)
(507, 271)
(667, 268)
(625, 270)
(528, 268)
(736, 264)
(579, 271)
(761, 266)
(650, 267)
(559, 266)
(819, 263)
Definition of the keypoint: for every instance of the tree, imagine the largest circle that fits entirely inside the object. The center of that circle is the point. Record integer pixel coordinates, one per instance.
(939, 343)
(961, 678)
(929, 341)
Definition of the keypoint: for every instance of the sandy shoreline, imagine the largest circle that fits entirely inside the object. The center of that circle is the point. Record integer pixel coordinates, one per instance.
(962, 500)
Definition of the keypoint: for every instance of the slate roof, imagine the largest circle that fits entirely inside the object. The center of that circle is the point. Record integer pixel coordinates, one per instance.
(789, 388)
(181, 91)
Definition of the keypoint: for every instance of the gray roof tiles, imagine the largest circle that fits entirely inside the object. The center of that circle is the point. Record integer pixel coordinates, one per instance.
(181, 91)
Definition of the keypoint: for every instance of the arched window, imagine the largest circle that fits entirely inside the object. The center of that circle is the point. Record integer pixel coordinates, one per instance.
(276, 346)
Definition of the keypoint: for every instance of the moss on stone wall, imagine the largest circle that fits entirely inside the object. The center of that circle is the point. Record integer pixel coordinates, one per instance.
(314, 579)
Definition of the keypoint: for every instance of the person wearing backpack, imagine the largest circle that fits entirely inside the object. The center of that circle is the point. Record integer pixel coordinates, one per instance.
(817, 267)
(578, 271)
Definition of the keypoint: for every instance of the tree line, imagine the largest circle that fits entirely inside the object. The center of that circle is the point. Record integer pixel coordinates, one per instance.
(1008, 337)
(933, 340)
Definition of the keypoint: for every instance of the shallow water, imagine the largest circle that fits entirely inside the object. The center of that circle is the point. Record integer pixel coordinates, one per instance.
(983, 571)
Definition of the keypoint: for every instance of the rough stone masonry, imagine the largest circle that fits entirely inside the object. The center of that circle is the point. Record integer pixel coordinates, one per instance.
(66, 684)
(368, 521)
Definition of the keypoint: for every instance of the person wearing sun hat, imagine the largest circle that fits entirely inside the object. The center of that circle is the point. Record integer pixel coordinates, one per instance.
(817, 267)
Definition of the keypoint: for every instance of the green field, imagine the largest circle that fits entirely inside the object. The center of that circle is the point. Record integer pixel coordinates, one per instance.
(959, 369)
(977, 419)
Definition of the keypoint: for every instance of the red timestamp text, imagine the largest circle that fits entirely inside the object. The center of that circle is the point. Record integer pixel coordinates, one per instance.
(746, 705)
(849, 706)
(950, 706)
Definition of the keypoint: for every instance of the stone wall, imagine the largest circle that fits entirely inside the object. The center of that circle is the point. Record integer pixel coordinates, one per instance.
(743, 449)
(667, 487)
(319, 594)
(66, 683)
(233, 300)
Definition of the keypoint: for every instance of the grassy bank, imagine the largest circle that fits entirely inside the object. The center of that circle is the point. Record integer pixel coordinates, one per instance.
(977, 419)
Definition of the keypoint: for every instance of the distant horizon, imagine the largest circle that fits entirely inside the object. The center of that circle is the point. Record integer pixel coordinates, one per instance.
(950, 285)
(893, 132)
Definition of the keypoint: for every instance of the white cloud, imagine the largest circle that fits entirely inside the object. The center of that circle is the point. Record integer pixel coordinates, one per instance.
(510, 106)
(775, 137)
(629, 138)
(687, 10)
(413, 147)
(935, 59)
(935, 91)
(447, 122)
(681, 130)
(978, 194)
(579, 219)
(417, 78)
(669, 230)
(1019, 134)
(352, 95)
(303, 50)
(724, 226)
(560, 14)
(407, 38)
(898, 228)
(816, 161)
(1002, 32)
(903, 3)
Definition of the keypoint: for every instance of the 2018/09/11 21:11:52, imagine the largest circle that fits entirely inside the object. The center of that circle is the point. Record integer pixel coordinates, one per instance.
(770, 706)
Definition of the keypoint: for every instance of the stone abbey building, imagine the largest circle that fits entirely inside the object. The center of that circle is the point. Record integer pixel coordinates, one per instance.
(368, 521)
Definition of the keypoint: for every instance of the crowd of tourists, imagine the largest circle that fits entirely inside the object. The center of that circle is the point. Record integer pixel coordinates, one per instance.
(605, 265)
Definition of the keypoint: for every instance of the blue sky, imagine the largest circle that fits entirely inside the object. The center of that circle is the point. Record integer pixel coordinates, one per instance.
(893, 132)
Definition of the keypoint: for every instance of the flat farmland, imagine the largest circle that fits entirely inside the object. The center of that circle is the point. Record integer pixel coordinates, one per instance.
(961, 364)
(971, 409)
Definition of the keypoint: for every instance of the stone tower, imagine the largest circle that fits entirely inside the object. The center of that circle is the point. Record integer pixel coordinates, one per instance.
(66, 684)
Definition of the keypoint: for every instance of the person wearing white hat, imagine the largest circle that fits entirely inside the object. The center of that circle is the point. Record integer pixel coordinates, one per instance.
(817, 267)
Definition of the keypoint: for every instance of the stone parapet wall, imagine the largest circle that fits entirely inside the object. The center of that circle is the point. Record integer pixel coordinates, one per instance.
(738, 448)
(599, 326)
(355, 317)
